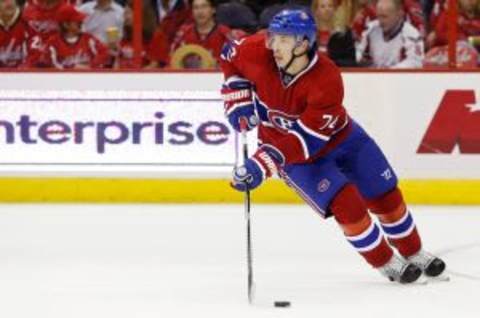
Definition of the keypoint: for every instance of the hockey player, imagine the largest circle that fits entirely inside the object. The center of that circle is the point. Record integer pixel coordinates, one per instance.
(279, 82)
(72, 48)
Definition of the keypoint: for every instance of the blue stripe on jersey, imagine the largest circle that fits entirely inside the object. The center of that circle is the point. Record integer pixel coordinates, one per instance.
(400, 228)
(262, 110)
(310, 142)
(228, 51)
(368, 240)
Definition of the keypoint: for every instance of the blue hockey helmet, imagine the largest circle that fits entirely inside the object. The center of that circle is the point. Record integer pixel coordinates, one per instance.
(296, 22)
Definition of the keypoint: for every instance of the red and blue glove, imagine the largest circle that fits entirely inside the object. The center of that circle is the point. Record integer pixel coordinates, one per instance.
(262, 165)
(237, 95)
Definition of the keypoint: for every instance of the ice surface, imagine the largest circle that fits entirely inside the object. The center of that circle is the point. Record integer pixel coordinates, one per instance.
(145, 261)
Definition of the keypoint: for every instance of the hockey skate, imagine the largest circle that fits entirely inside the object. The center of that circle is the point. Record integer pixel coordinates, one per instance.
(399, 270)
(431, 265)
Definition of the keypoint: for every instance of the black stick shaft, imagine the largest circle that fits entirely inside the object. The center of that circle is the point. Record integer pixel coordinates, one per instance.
(247, 217)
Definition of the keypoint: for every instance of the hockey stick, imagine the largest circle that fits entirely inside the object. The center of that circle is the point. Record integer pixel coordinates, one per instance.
(251, 286)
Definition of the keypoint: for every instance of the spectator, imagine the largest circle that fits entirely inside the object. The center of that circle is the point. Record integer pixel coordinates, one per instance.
(154, 52)
(171, 14)
(40, 16)
(164, 7)
(71, 48)
(204, 32)
(158, 50)
(364, 14)
(438, 7)
(324, 11)
(391, 41)
(13, 35)
(468, 23)
(345, 11)
(367, 13)
(102, 15)
(333, 39)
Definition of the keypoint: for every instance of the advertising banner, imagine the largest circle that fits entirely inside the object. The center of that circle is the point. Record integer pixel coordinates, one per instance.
(114, 130)
(428, 124)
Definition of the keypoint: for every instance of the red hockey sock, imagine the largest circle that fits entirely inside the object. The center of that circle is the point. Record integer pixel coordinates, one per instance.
(351, 214)
(397, 222)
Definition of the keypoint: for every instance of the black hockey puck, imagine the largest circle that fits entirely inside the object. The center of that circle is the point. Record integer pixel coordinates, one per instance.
(282, 304)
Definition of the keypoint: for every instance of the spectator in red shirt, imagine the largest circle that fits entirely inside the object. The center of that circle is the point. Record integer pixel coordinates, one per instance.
(158, 50)
(14, 33)
(468, 23)
(71, 48)
(154, 53)
(204, 31)
(438, 7)
(40, 16)
(171, 14)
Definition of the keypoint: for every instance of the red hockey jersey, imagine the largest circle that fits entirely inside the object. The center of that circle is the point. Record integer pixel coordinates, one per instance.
(13, 42)
(87, 51)
(304, 118)
(42, 21)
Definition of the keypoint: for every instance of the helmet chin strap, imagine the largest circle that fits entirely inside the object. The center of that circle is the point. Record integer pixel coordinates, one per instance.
(294, 56)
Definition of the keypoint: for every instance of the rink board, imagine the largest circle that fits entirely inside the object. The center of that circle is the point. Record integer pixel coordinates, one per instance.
(206, 191)
(162, 137)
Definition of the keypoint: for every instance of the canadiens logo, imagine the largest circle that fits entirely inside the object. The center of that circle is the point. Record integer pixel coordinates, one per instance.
(281, 120)
(229, 51)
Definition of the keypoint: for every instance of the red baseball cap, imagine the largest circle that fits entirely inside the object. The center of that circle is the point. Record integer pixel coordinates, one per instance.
(68, 13)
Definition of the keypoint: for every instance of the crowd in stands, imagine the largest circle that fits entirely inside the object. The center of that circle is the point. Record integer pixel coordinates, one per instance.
(96, 34)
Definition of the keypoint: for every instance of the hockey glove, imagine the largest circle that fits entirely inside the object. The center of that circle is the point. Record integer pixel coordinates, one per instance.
(238, 102)
(262, 165)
